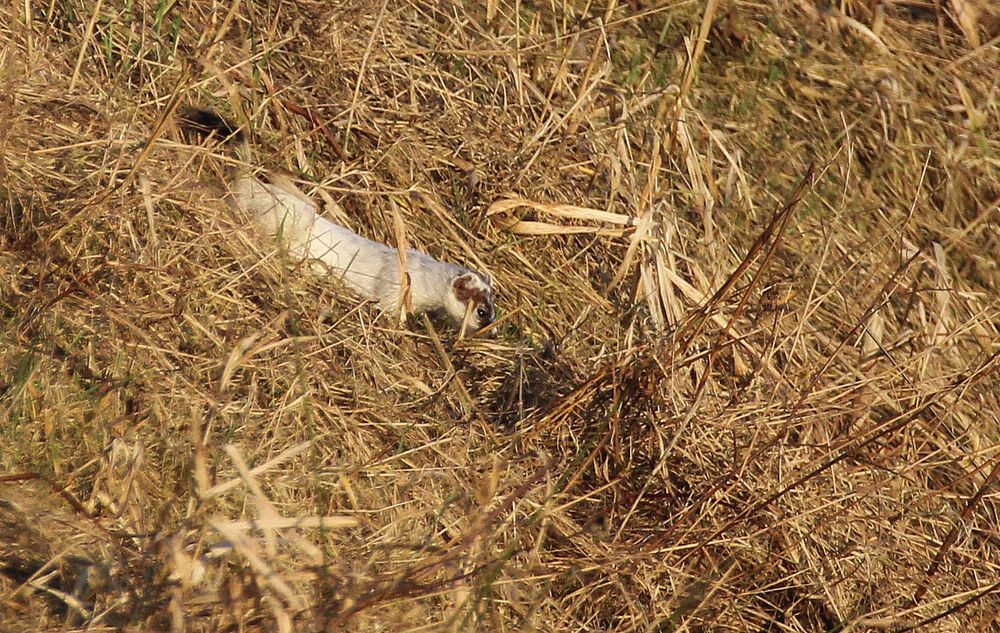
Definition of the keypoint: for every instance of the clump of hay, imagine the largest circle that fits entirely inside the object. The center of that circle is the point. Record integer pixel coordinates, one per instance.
(744, 375)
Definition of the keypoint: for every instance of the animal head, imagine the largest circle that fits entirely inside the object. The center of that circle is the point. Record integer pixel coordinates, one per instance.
(470, 287)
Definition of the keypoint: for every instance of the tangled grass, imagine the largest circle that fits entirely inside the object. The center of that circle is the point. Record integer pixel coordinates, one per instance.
(744, 376)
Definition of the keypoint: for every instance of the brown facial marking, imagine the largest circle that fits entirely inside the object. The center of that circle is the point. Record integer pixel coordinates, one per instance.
(466, 291)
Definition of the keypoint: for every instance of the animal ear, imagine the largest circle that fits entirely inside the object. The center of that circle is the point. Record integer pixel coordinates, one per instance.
(468, 287)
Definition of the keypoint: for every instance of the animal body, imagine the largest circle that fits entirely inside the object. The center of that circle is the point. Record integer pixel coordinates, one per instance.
(371, 269)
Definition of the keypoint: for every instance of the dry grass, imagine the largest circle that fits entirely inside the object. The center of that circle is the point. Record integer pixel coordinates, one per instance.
(726, 393)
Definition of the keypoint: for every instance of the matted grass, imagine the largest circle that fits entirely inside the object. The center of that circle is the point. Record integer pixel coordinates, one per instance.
(744, 376)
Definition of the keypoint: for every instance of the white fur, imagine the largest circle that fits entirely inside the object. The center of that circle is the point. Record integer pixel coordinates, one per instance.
(369, 268)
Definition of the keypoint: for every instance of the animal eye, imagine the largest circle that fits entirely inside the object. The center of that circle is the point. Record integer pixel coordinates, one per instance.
(481, 313)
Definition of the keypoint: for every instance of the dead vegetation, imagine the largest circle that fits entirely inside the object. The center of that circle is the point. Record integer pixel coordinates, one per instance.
(745, 372)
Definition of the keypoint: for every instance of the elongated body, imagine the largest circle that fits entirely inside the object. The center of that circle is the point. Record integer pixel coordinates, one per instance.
(372, 270)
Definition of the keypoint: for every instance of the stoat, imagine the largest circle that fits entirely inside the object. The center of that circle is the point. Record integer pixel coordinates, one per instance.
(371, 269)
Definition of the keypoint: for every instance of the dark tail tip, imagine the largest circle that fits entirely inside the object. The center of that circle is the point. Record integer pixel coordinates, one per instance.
(204, 122)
